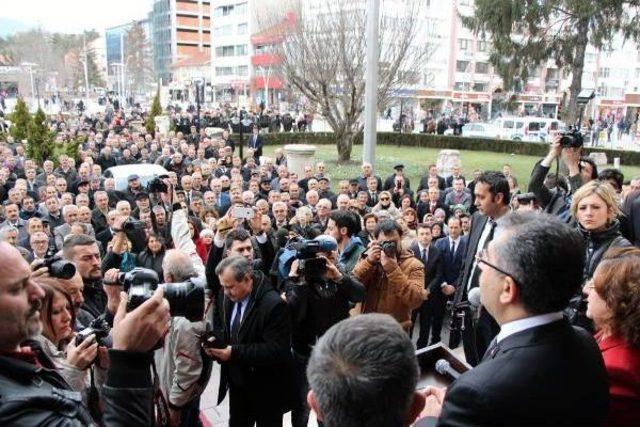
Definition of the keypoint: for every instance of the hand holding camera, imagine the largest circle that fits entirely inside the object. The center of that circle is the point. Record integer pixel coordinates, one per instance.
(388, 256)
(83, 354)
(373, 252)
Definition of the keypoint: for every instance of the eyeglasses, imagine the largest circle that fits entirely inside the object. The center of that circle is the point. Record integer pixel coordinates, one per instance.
(384, 198)
(481, 258)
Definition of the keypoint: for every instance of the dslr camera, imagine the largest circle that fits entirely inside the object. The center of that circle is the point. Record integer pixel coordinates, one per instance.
(58, 267)
(131, 224)
(311, 267)
(186, 299)
(571, 139)
(390, 249)
(98, 327)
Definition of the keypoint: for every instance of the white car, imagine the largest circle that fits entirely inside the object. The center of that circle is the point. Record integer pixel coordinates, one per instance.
(479, 130)
(146, 173)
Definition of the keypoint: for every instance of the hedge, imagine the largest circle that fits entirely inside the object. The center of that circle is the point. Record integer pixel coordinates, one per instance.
(628, 158)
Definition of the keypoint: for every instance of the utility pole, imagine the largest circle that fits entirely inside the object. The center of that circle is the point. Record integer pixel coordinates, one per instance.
(122, 85)
(371, 83)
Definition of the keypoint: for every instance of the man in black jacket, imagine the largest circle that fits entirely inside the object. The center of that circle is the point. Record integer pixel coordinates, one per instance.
(431, 258)
(539, 370)
(32, 392)
(255, 143)
(256, 361)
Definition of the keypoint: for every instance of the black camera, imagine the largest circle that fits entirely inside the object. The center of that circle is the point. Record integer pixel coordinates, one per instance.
(186, 299)
(98, 327)
(131, 224)
(571, 139)
(58, 267)
(389, 248)
(311, 267)
(157, 186)
(525, 198)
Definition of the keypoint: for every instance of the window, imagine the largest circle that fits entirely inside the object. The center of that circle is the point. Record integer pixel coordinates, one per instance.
(604, 72)
(243, 70)
(241, 8)
(589, 57)
(223, 10)
(222, 51)
(224, 30)
(462, 66)
(482, 67)
(479, 87)
(241, 50)
(482, 46)
(242, 28)
(464, 44)
(224, 71)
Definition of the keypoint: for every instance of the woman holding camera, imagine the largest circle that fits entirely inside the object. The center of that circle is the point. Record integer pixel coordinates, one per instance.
(58, 342)
(613, 303)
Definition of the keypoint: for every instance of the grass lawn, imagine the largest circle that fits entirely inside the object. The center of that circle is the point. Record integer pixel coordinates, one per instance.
(416, 161)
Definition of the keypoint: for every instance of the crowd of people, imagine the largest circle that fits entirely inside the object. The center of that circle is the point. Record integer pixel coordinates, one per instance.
(316, 290)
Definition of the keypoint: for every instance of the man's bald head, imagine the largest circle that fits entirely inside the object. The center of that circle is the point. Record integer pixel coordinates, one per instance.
(177, 266)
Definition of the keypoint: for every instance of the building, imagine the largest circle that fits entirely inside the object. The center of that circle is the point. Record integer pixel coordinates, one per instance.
(98, 46)
(115, 42)
(181, 31)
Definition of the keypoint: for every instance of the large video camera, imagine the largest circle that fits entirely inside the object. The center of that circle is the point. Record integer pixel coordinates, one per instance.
(58, 267)
(310, 266)
(571, 139)
(186, 299)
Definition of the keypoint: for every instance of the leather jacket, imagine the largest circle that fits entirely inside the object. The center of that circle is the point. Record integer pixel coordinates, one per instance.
(597, 243)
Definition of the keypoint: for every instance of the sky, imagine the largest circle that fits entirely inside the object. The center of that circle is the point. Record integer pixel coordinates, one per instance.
(69, 16)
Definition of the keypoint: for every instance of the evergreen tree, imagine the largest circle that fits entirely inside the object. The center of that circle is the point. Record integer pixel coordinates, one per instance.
(527, 34)
(156, 110)
(20, 121)
(137, 57)
(40, 146)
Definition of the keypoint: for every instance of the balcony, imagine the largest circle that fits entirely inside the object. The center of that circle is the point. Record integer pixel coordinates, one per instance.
(275, 82)
(265, 59)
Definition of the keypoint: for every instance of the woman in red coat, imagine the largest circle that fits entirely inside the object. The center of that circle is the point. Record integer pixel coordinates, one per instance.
(614, 307)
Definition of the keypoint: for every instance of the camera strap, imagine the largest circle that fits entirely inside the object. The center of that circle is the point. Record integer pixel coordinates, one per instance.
(160, 406)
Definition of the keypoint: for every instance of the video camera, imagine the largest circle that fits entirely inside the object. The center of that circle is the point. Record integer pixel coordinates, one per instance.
(58, 267)
(311, 267)
(131, 224)
(156, 185)
(186, 299)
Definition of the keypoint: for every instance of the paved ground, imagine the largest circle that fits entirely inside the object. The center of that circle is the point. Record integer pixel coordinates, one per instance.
(218, 416)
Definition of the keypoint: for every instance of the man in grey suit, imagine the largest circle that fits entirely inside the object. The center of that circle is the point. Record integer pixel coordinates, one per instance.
(70, 215)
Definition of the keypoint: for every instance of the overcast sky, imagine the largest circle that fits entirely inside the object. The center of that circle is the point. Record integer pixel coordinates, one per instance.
(73, 16)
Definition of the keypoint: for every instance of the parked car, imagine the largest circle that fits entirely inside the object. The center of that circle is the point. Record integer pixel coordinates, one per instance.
(146, 172)
(479, 130)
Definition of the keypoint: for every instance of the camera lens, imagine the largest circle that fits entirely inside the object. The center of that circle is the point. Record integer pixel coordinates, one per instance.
(186, 300)
(62, 269)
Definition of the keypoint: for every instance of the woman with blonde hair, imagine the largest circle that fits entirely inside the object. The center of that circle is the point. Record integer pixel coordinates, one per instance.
(595, 208)
(385, 203)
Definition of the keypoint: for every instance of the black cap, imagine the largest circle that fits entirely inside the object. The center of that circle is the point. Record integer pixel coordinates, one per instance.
(265, 180)
(399, 166)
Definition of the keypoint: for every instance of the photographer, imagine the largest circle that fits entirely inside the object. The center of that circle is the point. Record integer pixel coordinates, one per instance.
(581, 170)
(393, 277)
(32, 395)
(318, 299)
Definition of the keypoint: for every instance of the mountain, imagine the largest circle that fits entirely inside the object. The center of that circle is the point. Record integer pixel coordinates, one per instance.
(10, 26)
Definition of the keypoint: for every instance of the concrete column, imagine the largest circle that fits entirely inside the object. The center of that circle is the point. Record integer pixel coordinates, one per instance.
(299, 156)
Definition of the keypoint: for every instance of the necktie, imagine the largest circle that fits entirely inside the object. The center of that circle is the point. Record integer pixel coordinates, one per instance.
(492, 350)
(424, 256)
(453, 247)
(235, 325)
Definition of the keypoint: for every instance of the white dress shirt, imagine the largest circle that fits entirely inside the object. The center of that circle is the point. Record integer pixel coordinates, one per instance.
(520, 325)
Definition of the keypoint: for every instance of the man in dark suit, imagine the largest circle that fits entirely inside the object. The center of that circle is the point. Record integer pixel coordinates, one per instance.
(433, 173)
(455, 173)
(492, 200)
(105, 236)
(397, 176)
(256, 142)
(256, 361)
(539, 371)
(363, 180)
(452, 249)
(431, 258)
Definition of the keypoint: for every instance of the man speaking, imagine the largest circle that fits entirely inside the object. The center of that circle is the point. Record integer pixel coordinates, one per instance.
(539, 371)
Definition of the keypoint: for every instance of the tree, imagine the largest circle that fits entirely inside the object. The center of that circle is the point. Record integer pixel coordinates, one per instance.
(137, 57)
(40, 138)
(156, 110)
(323, 57)
(20, 121)
(527, 34)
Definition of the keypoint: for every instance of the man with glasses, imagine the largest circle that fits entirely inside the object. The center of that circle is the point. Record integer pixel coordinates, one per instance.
(539, 370)
(39, 245)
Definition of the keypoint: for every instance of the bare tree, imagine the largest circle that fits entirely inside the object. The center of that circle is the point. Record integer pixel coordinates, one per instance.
(138, 58)
(324, 57)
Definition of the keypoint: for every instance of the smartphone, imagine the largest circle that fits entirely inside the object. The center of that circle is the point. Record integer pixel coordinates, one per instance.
(242, 213)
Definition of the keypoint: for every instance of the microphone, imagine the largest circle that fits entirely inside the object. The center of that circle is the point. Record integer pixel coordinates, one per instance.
(474, 297)
(443, 367)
